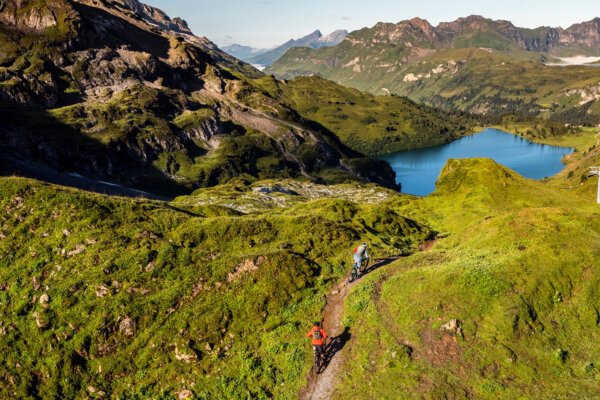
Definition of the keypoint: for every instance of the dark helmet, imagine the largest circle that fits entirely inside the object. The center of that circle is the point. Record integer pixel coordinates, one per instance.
(317, 323)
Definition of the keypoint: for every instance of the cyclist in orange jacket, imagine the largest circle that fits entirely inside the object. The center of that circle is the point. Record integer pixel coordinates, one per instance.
(318, 336)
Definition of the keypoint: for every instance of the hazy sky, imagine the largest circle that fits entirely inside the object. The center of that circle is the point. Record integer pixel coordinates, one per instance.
(264, 23)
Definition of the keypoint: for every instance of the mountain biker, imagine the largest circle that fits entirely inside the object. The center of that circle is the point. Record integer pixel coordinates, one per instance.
(359, 252)
(318, 336)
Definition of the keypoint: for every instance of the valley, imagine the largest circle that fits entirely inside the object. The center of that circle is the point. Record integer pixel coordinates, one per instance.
(173, 220)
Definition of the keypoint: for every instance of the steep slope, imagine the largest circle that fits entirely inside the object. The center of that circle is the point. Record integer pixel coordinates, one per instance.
(92, 88)
(480, 82)
(118, 298)
(504, 306)
(134, 10)
(314, 40)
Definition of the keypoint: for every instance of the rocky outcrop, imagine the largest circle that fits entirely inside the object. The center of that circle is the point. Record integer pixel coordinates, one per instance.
(155, 16)
(19, 14)
(207, 132)
(137, 10)
(32, 90)
(587, 33)
(127, 326)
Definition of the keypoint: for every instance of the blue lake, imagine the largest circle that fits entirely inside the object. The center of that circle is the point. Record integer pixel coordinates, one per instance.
(418, 170)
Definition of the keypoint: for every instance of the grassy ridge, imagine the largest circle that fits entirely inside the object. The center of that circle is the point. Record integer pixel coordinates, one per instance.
(518, 267)
(368, 124)
(137, 299)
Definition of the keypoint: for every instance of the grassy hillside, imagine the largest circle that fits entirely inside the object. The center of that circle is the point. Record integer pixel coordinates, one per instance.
(130, 299)
(516, 267)
(456, 79)
(369, 124)
(211, 293)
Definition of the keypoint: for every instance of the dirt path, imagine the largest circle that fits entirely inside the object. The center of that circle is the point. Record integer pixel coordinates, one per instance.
(321, 386)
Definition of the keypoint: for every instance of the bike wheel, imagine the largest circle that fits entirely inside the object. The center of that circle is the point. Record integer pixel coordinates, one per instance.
(317, 365)
(352, 276)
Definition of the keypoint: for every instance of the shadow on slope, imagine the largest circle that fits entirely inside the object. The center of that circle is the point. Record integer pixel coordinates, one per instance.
(35, 144)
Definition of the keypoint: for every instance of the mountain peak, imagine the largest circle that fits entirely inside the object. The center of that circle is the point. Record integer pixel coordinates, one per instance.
(149, 14)
(316, 34)
(333, 38)
(476, 17)
(423, 25)
(419, 21)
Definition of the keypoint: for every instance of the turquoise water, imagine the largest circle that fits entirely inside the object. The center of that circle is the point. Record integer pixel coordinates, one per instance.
(418, 170)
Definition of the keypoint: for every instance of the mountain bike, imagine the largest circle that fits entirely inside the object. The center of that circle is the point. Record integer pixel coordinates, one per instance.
(354, 273)
(357, 270)
(319, 359)
(365, 264)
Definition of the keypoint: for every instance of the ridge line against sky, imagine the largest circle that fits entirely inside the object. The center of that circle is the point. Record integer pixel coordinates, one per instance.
(267, 23)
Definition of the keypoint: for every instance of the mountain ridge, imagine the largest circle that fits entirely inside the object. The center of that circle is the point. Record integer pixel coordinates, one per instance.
(412, 58)
(266, 57)
(541, 39)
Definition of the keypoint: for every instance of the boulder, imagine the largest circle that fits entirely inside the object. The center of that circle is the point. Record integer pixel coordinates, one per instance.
(127, 326)
(44, 300)
(78, 250)
(185, 394)
(453, 326)
(102, 291)
(188, 358)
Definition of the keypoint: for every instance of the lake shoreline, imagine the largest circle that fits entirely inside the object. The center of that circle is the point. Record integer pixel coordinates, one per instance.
(417, 170)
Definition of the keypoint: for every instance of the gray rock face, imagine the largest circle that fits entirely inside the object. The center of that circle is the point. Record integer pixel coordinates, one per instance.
(333, 38)
(207, 132)
(36, 19)
(155, 16)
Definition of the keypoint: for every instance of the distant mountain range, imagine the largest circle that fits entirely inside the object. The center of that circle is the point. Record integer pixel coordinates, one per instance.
(265, 57)
(474, 64)
(243, 52)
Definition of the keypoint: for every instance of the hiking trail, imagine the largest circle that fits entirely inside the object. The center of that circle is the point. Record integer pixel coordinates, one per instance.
(321, 386)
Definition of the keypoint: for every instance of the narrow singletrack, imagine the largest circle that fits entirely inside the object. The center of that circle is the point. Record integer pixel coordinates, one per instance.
(321, 386)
